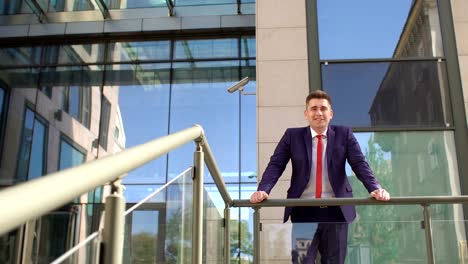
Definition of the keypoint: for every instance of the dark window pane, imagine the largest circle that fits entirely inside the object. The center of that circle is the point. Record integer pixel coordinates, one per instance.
(38, 150)
(25, 146)
(20, 56)
(74, 102)
(85, 106)
(2, 103)
(378, 29)
(13, 7)
(404, 94)
(70, 156)
(209, 48)
(104, 122)
(55, 234)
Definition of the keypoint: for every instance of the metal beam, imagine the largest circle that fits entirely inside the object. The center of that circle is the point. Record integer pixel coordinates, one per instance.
(170, 6)
(103, 7)
(37, 10)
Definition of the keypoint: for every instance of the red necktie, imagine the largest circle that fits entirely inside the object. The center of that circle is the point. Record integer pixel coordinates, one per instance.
(318, 174)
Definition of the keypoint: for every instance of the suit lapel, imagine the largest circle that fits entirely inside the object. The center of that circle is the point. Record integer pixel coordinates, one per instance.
(330, 143)
(308, 143)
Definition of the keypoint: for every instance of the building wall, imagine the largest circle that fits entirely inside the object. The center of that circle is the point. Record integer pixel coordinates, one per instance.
(282, 85)
(460, 19)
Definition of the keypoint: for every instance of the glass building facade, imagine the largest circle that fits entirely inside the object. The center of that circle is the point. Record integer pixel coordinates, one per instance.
(84, 79)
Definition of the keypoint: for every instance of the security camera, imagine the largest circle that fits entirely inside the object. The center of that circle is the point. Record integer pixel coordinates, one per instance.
(239, 85)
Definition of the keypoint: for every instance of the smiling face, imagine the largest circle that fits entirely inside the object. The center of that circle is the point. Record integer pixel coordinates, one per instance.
(318, 113)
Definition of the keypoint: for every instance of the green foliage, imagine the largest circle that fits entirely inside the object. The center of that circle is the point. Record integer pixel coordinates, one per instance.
(241, 250)
(371, 228)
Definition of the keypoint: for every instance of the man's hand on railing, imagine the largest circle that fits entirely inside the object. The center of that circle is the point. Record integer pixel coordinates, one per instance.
(258, 197)
(380, 194)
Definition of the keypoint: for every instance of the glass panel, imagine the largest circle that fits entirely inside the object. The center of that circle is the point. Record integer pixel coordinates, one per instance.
(25, 146)
(70, 5)
(119, 4)
(202, 2)
(74, 101)
(70, 156)
(12, 7)
(399, 94)
(38, 155)
(19, 78)
(449, 239)
(213, 230)
(21, 56)
(144, 106)
(136, 192)
(8, 243)
(139, 51)
(85, 106)
(79, 54)
(248, 125)
(402, 28)
(218, 114)
(206, 48)
(410, 163)
(87, 252)
(248, 47)
(55, 236)
(72, 76)
(159, 230)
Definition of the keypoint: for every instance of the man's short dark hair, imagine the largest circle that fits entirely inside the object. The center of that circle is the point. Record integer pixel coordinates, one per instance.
(318, 94)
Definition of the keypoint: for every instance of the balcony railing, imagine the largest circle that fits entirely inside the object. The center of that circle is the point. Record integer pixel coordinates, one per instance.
(203, 233)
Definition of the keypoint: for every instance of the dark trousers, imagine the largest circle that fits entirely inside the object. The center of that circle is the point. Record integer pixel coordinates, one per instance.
(326, 232)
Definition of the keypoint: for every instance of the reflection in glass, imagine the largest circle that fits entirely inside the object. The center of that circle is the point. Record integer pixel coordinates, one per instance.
(12, 7)
(141, 244)
(139, 51)
(70, 155)
(248, 47)
(248, 133)
(206, 48)
(404, 94)
(218, 114)
(378, 29)
(119, 4)
(202, 2)
(104, 122)
(19, 56)
(31, 159)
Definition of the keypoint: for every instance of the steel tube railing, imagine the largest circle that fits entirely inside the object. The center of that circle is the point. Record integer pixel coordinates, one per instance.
(402, 200)
(197, 224)
(424, 201)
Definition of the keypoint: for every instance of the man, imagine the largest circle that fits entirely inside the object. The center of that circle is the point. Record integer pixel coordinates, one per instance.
(318, 154)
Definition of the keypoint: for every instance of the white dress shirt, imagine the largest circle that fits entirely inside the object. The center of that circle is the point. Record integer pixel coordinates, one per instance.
(327, 191)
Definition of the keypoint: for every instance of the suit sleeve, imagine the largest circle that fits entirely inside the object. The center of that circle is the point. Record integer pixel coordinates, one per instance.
(277, 164)
(359, 164)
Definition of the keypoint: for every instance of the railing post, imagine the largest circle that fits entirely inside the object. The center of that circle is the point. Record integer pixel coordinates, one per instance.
(428, 232)
(227, 237)
(114, 226)
(197, 228)
(256, 237)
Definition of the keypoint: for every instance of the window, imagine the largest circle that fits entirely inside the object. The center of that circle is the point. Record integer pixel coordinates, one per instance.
(76, 101)
(3, 107)
(116, 133)
(104, 122)
(70, 154)
(32, 152)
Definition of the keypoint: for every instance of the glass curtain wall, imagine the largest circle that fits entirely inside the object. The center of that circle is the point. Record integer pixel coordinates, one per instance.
(383, 64)
(93, 105)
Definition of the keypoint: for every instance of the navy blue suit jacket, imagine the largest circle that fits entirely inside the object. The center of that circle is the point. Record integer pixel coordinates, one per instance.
(296, 145)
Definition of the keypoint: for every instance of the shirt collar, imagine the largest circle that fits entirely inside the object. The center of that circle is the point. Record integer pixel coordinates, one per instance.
(314, 134)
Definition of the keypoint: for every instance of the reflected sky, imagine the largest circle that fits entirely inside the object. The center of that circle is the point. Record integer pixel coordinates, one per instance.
(360, 29)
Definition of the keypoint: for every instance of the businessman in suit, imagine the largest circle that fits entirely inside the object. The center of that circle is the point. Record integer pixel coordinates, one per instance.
(318, 154)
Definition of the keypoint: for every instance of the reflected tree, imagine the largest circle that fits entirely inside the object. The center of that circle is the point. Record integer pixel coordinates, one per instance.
(241, 250)
(371, 238)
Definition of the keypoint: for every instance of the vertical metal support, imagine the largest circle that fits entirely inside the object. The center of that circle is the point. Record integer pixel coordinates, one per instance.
(227, 235)
(428, 231)
(256, 237)
(197, 228)
(114, 226)
(313, 53)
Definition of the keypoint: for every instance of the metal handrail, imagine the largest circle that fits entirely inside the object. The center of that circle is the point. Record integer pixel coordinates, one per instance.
(424, 201)
(35, 198)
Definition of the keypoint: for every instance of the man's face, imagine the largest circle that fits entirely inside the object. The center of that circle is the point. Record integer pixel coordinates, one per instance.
(318, 113)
